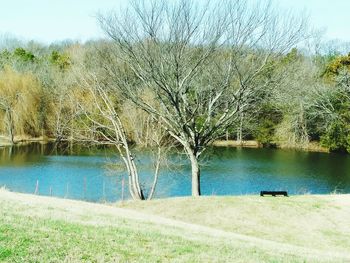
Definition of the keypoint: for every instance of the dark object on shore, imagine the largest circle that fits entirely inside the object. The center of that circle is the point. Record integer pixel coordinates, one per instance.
(273, 193)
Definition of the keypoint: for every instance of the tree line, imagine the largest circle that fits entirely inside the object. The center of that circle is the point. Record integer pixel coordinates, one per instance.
(180, 73)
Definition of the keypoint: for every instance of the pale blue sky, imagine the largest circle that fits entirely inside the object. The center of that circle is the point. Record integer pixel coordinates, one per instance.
(54, 20)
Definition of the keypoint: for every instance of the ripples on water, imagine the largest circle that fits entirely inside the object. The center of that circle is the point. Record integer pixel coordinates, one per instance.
(86, 172)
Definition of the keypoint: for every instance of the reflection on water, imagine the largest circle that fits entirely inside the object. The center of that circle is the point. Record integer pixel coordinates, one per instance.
(81, 172)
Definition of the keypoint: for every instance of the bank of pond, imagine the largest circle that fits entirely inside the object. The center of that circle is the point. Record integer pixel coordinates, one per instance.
(96, 173)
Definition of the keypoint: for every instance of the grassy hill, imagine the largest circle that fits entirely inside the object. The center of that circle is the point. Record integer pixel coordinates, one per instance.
(207, 229)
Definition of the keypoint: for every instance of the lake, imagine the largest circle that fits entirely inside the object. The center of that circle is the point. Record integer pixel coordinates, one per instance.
(93, 174)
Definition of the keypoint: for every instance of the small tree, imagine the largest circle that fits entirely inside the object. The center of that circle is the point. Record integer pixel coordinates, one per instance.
(97, 120)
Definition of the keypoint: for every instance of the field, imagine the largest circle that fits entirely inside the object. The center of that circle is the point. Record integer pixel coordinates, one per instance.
(206, 229)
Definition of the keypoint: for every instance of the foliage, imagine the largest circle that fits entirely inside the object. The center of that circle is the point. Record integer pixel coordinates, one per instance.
(268, 118)
(335, 66)
(61, 60)
(23, 55)
(310, 97)
(337, 135)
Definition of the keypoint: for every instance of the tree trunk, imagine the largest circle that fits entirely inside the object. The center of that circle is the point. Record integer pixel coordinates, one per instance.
(196, 186)
(239, 135)
(156, 173)
(240, 130)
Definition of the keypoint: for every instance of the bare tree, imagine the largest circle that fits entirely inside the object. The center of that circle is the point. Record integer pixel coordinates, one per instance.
(203, 63)
(97, 120)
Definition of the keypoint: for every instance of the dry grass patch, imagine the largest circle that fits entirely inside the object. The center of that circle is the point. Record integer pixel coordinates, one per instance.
(320, 222)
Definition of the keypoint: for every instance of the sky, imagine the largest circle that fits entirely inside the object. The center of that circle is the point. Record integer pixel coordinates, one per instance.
(55, 20)
(331, 15)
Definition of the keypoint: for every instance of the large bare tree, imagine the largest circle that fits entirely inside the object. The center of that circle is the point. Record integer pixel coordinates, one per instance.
(204, 63)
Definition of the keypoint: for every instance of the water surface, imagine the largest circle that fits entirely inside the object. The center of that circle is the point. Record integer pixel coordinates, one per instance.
(93, 174)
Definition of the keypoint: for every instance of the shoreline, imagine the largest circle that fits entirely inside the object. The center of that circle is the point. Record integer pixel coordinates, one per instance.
(4, 189)
(311, 147)
(4, 142)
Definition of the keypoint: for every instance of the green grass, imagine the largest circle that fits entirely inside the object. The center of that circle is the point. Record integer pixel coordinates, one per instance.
(37, 229)
(55, 241)
(30, 239)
